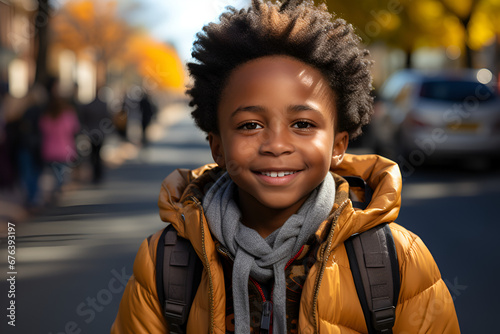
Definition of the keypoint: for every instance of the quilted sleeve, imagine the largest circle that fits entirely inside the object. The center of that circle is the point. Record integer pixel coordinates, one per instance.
(425, 304)
(140, 310)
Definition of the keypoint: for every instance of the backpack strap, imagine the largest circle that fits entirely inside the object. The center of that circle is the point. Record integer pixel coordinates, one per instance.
(178, 275)
(357, 182)
(375, 270)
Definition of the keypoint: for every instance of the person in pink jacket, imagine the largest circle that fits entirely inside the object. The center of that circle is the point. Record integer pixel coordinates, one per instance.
(58, 126)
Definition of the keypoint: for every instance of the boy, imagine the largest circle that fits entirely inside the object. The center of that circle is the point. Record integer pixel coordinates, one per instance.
(280, 89)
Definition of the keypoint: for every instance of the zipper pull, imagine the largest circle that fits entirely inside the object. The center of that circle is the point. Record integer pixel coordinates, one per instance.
(266, 319)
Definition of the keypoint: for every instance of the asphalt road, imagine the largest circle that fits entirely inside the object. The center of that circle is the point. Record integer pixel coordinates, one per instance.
(455, 212)
(73, 261)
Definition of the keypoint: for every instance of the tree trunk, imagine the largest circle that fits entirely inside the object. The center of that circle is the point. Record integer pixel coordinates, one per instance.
(42, 40)
(496, 62)
(468, 54)
(468, 61)
(101, 72)
(409, 59)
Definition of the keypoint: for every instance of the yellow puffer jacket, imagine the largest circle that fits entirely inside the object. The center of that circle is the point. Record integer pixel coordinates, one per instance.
(329, 302)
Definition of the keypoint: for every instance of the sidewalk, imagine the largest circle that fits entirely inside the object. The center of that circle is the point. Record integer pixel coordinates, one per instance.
(115, 153)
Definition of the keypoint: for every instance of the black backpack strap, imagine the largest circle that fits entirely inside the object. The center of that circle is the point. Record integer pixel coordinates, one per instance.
(178, 275)
(375, 270)
(356, 181)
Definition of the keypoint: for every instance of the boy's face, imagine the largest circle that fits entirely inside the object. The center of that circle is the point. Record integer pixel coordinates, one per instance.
(277, 141)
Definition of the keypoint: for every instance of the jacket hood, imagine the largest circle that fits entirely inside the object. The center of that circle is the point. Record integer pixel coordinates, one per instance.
(384, 178)
(181, 193)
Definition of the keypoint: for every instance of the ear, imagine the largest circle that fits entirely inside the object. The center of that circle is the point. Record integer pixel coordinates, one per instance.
(340, 143)
(215, 142)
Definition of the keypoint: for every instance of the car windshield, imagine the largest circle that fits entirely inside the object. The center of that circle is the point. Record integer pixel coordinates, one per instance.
(455, 90)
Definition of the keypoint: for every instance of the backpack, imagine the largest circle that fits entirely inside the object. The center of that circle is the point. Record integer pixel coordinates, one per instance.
(372, 258)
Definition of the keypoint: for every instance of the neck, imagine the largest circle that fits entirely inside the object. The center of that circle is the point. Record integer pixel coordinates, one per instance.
(263, 219)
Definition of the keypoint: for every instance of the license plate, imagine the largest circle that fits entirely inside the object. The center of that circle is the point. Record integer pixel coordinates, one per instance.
(463, 127)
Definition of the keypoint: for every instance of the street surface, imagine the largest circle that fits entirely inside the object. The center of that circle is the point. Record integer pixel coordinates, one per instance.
(73, 261)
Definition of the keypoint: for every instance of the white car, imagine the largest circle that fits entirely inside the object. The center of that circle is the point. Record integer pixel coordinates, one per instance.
(421, 116)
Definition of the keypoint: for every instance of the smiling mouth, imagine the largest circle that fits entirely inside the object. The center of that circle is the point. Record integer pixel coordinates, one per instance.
(277, 174)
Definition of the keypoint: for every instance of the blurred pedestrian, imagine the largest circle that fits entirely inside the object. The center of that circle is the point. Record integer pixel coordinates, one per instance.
(96, 122)
(58, 125)
(147, 109)
(28, 145)
(11, 111)
(7, 170)
(120, 119)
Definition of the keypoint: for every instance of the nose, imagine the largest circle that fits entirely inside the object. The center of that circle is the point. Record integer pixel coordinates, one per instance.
(276, 142)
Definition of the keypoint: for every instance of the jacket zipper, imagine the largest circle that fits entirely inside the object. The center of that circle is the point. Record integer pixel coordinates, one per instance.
(295, 257)
(267, 310)
(205, 258)
(324, 257)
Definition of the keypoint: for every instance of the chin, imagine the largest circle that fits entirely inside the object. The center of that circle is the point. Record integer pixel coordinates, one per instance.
(281, 204)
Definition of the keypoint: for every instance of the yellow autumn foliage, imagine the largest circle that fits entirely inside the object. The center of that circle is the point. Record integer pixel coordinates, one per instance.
(83, 25)
(461, 8)
(485, 24)
(158, 63)
(423, 23)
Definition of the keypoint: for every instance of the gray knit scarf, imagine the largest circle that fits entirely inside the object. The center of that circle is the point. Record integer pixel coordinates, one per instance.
(263, 259)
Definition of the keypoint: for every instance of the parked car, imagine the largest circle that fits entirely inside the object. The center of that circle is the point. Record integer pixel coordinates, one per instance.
(421, 116)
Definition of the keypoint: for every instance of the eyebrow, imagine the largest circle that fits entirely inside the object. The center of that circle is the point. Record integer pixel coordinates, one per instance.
(248, 108)
(260, 109)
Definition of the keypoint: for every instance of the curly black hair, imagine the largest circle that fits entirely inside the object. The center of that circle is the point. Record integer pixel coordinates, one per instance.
(298, 29)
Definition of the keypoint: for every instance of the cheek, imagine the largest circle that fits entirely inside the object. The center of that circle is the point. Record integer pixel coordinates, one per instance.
(321, 148)
(318, 154)
(241, 148)
(238, 154)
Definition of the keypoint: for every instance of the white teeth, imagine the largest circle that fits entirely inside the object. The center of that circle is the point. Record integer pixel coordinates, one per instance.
(276, 174)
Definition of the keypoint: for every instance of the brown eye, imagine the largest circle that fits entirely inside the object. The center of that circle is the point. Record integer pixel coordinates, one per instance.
(250, 126)
(302, 125)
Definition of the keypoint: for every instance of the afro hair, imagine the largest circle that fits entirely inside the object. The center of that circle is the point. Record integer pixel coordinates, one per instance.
(298, 29)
